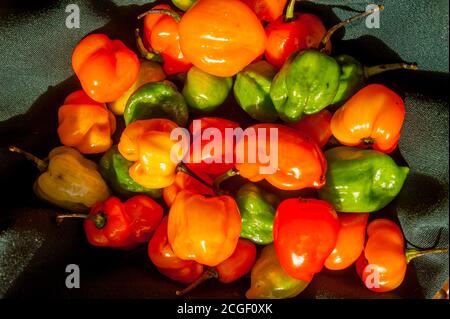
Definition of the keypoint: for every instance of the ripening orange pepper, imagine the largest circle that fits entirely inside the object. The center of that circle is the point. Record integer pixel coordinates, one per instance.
(106, 68)
(221, 37)
(372, 117)
(350, 241)
(204, 229)
(85, 124)
(299, 162)
(147, 143)
(315, 126)
(267, 10)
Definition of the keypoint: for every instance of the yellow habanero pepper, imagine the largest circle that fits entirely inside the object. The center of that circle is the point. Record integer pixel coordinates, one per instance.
(85, 124)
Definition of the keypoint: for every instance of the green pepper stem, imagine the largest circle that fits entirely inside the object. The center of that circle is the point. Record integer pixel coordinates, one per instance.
(186, 170)
(344, 23)
(61, 217)
(208, 274)
(290, 14)
(414, 253)
(146, 54)
(170, 13)
(377, 69)
(227, 175)
(40, 164)
(98, 219)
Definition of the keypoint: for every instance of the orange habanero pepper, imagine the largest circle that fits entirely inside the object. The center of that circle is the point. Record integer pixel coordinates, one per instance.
(221, 37)
(204, 229)
(106, 68)
(85, 124)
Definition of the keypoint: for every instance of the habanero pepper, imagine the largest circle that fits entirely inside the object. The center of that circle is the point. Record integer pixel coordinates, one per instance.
(316, 127)
(305, 232)
(204, 229)
(221, 37)
(382, 265)
(233, 268)
(266, 10)
(106, 68)
(85, 124)
(162, 256)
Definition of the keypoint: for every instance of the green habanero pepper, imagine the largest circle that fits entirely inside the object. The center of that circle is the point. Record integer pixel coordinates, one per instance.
(361, 181)
(205, 92)
(306, 84)
(114, 169)
(157, 100)
(252, 91)
(257, 213)
(184, 5)
(270, 281)
(354, 75)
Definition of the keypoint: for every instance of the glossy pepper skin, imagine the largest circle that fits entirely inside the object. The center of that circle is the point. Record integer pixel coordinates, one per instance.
(361, 181)
(106, 68)
(162, 256)
(270, 281)
(85, 124)
(267, 10)
(316, 127)
(305, 232)
(221, 37)
(120, 225)
(162, 34)
(372, 117)
(114, 169)
(350, 242)
(147, 143)
(208, 239)
(306, 84)
(204, 92)
(252, 91)
(301, 163)
(184, 5)
(149, 72)
(157, 100)
(257, 213)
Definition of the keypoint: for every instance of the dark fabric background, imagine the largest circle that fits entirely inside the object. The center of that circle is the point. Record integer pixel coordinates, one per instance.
(36, 75)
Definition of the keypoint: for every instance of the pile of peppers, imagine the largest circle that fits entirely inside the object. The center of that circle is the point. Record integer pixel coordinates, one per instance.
(335, 135)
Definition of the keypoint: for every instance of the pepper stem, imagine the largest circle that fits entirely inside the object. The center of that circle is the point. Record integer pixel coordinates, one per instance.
(344, 23)
(290, 14)
(414, 253)
(170, 13)
(377, 69)
(146, 54)
(98, 219)
(61, 217)
(209, 274)
(227, 175)
(40, 164)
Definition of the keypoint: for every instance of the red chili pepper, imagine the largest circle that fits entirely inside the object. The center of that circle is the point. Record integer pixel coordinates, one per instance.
(316, 127)
(305, 232)
(235, 267)
(167, 263)
(292, 33)
(267, 10)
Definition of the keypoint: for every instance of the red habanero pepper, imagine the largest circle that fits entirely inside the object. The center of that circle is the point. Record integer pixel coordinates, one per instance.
(235, 267)
(162, 256)
(315, 126)
(305, 232)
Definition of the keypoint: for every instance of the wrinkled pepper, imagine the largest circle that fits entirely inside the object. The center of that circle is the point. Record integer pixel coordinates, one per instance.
(252, 91)
(106, 68)
(372, 117)
(162, 256)
(266, 10)
(184, 5)
(147, 143)
(382, 265)
(305, 232)
(67, 179)
(257, 212)
(350, 241)
(204, 229)
(162, 36)
(85, 124)
(204, 92)
(316, 127)
(221, 37)
(301, 163)
(361, 181)
(114, 169)
(149, 72)
(157, 100)
(233, 268)
(270, 281)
